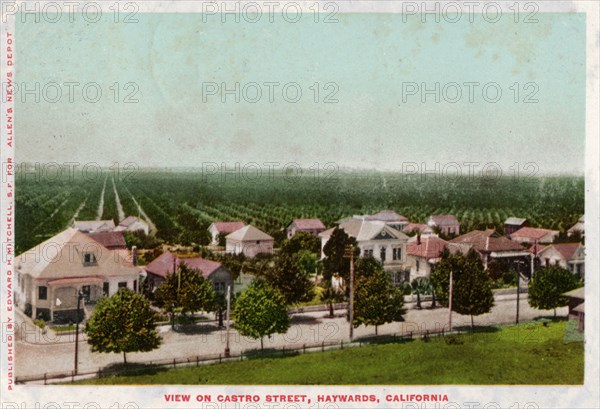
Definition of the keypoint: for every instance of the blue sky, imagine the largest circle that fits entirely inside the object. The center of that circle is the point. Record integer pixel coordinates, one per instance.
(370, 58)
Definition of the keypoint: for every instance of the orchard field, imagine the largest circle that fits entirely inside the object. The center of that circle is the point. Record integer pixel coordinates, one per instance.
(182, 204)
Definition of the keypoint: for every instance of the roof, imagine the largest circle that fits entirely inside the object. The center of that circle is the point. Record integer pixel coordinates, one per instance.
(308, 224)
(417, 226)
(94, 225)
(536, 248)
(443, 220)
(430, 247)
(533, 232)
(248, 233)
(61, 256)
(363, 230)
(566, 250)
(578, 293)
(580, 308)
(487, 241)
(227, 227)
(387, 216)
(109, 238)
(164, 265)
(515, 221)
(129, 220)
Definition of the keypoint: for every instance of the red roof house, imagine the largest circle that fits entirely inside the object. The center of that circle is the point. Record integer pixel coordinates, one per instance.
(532, 235)
(312, 226)
(217, 228)
(447, 223)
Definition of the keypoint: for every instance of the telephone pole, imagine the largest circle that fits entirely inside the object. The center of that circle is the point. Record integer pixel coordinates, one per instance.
(450, 303)
(350, 254)
(227, 351)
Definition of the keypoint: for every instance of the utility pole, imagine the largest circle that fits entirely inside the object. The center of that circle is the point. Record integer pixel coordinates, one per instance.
(228, 297)
(79, 297)
(350, 253)
(450, 303)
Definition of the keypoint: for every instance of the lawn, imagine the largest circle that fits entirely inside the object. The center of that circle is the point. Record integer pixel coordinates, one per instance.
(532, 353)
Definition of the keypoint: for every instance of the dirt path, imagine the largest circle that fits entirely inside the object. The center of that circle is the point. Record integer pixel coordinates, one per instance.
(101, 202)
(118, 201)
(81, 206)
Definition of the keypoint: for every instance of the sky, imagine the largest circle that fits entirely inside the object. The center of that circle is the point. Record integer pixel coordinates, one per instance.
(375, 64)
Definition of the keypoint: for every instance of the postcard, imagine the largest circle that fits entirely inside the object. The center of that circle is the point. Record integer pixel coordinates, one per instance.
(299, 204)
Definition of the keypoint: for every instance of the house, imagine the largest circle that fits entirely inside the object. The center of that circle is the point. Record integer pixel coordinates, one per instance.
(94, 226)
(50, 276)
(447, 224)
(166, 263)
(577, 229)
(112, 240)
(490, 245)
(249, 241)
(512, 224)
(577, 306)
(423, 230)
(423, 254)
(133, 223)
(377, 239)
(532, 235)
(570, 256)
(217, 228)
(312, 226)
(389, 217)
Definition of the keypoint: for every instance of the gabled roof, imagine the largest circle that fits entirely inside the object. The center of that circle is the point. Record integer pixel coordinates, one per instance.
(533, 232)
(576, 293)
(109, 238)
(515, 221)
(308, 224)
(165, 265)
(227, 227)
(248, 233)
(363, 230)
(94, 225)
(430, 247)
(566, 250)
(579, 226)
(444, 220)
(537, 248)
(129, 220)
(487, 241)
(388, 216)
(62, 256)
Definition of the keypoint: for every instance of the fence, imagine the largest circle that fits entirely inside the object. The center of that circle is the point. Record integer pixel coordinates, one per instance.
(138, 368)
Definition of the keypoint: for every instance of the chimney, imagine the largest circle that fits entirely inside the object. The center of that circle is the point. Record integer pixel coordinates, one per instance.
(134, 255)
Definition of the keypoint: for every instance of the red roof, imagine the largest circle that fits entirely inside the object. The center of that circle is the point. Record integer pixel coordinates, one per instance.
(443, 220)
(110, 239)
(309, 224)
(532, 232)
(488, 241)
(388, 216)
(566, 250)
(430, 247)
(536, 248)
(228, 227)
(164, 265)
(416, 226)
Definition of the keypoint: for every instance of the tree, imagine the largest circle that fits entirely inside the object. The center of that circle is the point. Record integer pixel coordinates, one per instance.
(336, 262)
(261, 310)
(187, 291)
(547, 286)
(472, 288)
(330, 295)
(421, 286)
(376, 301)
(301, 241)
(123, 323)
(290, 280)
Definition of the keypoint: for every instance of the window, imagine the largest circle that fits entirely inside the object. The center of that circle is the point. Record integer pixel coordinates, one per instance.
(42, 293)
(397, 253)
(368, 253)
(135, 286)
(417, 265)
(105, 289)
(547, 262)
(382, 254)
(89, 259)
(122, 284)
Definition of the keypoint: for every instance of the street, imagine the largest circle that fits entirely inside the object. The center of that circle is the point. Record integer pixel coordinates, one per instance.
(35, 358)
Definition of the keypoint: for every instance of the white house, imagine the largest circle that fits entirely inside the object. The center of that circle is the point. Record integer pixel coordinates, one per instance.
(133, 223)
(250, 241)
(570, 256)
(50, 275)
(423, 254)
(217, 228)
(312, 226)
(378, 240)
(389, 217)
(447, 223)
(577, 228)
(532, 235)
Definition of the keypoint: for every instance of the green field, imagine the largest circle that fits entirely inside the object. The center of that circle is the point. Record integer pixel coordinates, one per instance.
(183, 204)
(529, 354)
